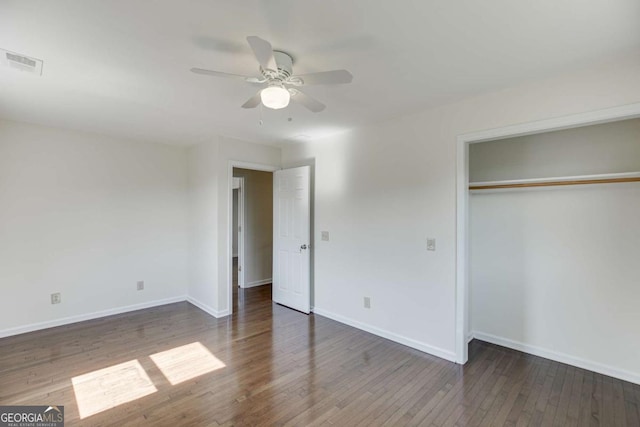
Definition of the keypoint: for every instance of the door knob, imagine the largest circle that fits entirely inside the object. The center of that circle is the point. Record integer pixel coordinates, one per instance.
(303, 247)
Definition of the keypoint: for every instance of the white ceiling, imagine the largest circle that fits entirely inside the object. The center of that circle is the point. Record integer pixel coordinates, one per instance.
(122, 67)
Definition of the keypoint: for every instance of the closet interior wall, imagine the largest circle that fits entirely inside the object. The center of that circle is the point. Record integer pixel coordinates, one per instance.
(554, 270)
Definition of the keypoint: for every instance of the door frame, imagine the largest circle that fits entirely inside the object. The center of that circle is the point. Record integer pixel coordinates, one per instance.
(240, 216)
(623, 112)
(244, 165)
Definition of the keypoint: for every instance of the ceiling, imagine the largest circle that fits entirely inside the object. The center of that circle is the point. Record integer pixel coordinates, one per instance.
(122, 67)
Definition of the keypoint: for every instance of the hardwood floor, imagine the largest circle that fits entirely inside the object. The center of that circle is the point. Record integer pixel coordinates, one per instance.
(267, 365)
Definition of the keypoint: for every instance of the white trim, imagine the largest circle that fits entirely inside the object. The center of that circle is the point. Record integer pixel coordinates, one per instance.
(462, 193)
(242, 190)
(257, 283)
(409, 342)
(244, 165)
(606, 115)
(88, 316)
(560, 357)
(207, 309)
(462, 251)
(252, 166)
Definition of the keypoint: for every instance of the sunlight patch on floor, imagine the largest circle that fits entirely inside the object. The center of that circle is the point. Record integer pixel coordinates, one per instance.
(186, 362)
(107, 388)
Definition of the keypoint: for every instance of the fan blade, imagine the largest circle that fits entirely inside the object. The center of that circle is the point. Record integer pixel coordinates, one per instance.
(263, 51)
(218, 74)
(309, 102)
(335, 77)
(253, 102)
(255, 80)
(252, 80)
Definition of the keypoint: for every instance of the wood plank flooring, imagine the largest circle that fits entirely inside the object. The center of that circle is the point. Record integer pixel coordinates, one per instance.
(284, 368)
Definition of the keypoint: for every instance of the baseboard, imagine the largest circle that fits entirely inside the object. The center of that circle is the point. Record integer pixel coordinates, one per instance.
(560, 357)
(257, 283)
(88, 316)
(470, 337)
(409, 342)
(207, 308)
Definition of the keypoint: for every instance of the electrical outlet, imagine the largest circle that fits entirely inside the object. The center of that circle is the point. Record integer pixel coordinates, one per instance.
(56, 298)
(431, 244)
(367, 302)
(325, 236)
(141, 285)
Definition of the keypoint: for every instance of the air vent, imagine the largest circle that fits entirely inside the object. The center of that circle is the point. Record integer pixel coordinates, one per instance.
(21, 62)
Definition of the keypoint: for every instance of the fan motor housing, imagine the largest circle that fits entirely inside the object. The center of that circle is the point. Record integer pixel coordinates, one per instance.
(285, 66)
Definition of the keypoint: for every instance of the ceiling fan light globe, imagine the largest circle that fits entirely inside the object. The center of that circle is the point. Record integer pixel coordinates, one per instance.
(275, 97)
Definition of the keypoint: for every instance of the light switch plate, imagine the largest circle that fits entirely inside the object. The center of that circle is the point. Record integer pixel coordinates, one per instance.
(431, 244)
(325, 236)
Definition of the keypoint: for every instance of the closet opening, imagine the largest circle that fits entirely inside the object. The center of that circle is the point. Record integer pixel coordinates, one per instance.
(547, 234)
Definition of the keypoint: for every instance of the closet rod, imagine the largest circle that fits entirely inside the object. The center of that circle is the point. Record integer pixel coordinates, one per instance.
(553, 183)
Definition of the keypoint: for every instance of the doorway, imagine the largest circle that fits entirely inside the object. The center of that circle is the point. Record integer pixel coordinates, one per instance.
(291, 233)
(251, 234)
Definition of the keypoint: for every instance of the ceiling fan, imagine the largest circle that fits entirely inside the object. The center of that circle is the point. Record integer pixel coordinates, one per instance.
(276, 71)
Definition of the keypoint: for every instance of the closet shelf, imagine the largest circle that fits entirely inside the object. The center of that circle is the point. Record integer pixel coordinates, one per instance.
(607, 178)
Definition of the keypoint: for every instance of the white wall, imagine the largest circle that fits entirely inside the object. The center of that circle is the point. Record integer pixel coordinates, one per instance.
(587, 150)
(203, 225)
(209, 213)
(87, 216)
(258, 226)
(383, 189)
(557, 270)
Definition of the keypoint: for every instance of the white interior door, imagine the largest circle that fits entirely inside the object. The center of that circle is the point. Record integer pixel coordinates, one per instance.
(291, 238)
